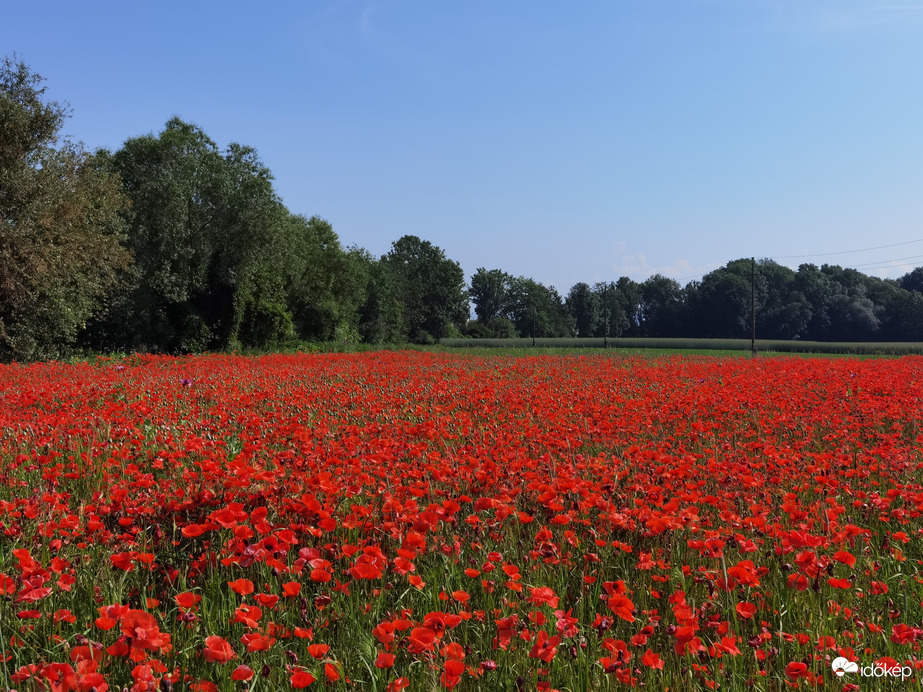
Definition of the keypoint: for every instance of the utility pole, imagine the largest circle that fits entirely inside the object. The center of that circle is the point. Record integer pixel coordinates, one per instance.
(753, 304)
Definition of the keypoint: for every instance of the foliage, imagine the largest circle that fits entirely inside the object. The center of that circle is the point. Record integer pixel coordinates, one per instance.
(537, 310)
(490, 292)
(328, 285)
(661, 307)
(381, 315)
(585, 308)
(171, 244)
(59, 242)
(209, 237)
(494, 328)
(430, 287)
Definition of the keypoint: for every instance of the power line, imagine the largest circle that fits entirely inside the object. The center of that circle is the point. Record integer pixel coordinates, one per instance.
(847, 252)
(884, 263)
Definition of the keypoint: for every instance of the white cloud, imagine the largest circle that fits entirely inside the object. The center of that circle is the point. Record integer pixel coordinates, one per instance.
(637, 267)
(894, 270)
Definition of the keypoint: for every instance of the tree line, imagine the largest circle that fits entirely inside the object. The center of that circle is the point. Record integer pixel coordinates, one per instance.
(826, 303)
(172, 244)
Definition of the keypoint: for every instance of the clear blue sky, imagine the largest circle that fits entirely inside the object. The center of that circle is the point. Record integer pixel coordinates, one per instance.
(563, 141)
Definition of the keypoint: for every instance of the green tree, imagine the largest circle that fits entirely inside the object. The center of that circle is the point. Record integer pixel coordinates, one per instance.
(782, 310)
(381, 315)
(912, 281)
(854, 316)
(209, 236)
(661, 307)
(490, 292)
(905, 311)
(60, 247)
(585, 308)
(327, 285)
(817, 289)
(537, 310)
(628, 298)
(721, 305)
(431, 288)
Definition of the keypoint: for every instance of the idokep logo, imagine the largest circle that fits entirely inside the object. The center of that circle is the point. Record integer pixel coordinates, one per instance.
(841, 666)
(880, 669)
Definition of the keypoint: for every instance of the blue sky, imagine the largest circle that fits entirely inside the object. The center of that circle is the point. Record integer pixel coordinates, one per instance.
(562, 141)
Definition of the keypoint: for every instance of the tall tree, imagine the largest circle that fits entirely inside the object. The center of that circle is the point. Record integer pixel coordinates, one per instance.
(912, 281)
(208, 233)
(327, 284)
(818, 290)
(782, 311)
(381, 314)
(628, 297)
(490, 291)
(854, 315)
(537, 310)
(661, 307)
(722, 302)
(60, 228)
(585, 308)
(431, 288)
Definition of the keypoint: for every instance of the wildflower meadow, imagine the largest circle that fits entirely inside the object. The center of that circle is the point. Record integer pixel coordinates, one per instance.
(415, 521)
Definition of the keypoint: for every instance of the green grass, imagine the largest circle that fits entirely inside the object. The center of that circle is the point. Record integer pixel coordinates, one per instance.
(686, 346)
(637, 346)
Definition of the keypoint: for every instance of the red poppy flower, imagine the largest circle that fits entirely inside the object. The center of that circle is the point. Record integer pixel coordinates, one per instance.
(745, 610)
(421, 639)
(384, 660)
(217, 650)
(796, 670)
(301, 679)
(242, 673)
(242, 587)
(318, 651)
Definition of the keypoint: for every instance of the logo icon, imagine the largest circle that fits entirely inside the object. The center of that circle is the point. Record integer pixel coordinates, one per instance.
(841, 666)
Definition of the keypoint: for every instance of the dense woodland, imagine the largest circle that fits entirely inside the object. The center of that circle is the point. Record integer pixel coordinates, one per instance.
(172, 244)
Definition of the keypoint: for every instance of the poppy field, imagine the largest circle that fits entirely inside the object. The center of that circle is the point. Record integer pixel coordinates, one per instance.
(414, 521)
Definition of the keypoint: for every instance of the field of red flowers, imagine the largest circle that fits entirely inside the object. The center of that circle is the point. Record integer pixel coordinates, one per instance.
(390, 521)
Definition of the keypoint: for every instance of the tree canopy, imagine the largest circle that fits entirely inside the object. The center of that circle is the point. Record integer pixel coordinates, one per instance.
(171, 243)
(60, 245)
(430, 287)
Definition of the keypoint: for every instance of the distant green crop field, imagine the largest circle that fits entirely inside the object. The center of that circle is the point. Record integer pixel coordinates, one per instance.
(705, 346)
